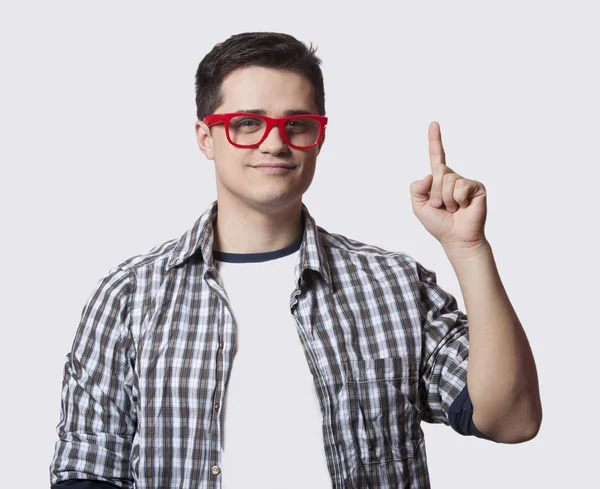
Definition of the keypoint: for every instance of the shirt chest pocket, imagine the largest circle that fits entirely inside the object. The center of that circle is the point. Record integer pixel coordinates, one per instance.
(383, 408)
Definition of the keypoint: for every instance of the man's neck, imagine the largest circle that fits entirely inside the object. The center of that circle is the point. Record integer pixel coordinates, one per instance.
(240, 228)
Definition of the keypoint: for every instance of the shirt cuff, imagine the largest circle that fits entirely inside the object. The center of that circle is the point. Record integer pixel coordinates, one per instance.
(83, 484)
(461, 416)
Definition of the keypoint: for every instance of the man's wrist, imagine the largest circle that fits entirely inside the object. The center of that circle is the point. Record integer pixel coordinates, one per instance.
(467, 251)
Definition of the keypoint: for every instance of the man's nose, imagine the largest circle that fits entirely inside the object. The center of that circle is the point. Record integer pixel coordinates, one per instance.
(274, 141)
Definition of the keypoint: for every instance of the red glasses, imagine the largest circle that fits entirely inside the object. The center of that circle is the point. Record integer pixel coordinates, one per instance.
(247, 130)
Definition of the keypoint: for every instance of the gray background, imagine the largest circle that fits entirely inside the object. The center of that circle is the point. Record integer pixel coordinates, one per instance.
(99, 162)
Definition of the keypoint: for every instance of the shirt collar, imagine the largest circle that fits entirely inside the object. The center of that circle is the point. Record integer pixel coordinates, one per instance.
(201, 237)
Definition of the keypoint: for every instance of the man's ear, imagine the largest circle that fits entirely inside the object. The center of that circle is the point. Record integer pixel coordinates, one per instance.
(204, 139)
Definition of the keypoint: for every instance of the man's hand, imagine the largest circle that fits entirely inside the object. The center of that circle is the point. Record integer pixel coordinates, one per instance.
(452, 208)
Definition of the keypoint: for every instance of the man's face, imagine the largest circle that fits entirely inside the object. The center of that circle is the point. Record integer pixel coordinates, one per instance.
(273, 91)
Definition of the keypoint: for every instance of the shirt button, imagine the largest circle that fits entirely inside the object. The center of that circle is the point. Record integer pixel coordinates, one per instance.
(216, 469)
(216, 406)
(221, 345)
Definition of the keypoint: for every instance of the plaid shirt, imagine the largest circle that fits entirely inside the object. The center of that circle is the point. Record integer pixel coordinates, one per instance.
(150, 361)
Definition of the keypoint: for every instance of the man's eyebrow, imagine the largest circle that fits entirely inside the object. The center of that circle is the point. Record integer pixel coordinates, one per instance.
(286, 113)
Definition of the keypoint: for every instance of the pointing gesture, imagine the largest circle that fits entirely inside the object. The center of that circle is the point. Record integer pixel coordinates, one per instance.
(452, 208)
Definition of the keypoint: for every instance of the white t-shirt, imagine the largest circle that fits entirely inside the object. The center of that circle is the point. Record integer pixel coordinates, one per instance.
(271, 422)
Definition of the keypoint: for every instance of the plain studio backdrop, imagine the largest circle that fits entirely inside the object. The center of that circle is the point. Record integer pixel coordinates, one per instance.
(100, 162)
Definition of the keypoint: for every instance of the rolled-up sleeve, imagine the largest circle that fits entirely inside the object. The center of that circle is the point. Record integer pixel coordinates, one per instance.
(98, 418)
(445, 358)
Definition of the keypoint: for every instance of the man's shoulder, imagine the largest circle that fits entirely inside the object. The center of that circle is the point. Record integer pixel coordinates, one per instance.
(157, 255)
(342, 244)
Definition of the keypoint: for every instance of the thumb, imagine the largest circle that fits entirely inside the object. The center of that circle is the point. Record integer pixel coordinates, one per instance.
(419, 189)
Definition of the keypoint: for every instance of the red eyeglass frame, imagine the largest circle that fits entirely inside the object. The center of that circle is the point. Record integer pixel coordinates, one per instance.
(271, 122)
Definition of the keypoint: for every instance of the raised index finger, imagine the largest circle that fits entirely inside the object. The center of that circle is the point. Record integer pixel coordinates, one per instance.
(436, 149)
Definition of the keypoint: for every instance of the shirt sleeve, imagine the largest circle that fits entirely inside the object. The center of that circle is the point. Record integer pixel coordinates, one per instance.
(98, 418)
(445, 358)
(461, 416)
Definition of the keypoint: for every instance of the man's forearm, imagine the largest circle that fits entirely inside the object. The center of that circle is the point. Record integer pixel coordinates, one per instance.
(502, 377)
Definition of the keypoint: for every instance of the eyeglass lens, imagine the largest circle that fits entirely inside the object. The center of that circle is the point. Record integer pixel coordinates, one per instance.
(248, 130)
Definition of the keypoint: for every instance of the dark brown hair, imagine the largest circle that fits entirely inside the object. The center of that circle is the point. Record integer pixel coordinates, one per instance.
(267, 49)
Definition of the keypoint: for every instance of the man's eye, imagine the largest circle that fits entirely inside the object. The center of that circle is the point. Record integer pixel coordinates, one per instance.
(246, 123)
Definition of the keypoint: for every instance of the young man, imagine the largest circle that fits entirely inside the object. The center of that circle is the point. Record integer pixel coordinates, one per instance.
(259, 349)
